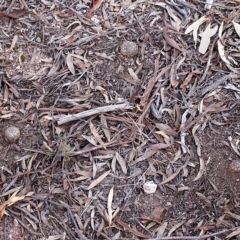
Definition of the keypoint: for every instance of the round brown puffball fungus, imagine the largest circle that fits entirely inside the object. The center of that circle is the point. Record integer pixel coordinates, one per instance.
(12, 134)
(129, 49)
(235, 166)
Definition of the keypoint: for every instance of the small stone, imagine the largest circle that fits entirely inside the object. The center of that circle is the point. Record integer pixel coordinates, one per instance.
(12, 134)
(235, 166)
(129, 49)
(149, 187)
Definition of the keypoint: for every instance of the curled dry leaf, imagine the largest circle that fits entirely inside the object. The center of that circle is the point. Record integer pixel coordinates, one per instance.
(202, 169)
(194, 27)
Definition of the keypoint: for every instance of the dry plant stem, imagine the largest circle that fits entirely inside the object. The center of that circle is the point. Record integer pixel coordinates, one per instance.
(92, 112)
(195, 238)
(209, 60)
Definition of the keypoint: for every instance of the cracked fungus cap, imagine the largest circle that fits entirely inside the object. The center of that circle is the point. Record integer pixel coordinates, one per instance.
(12, 134)
(235, 166)
(129, 49)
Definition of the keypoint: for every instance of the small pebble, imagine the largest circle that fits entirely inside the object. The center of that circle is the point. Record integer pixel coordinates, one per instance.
(235, 166)
(129, 49)
(149, 187)
(12, 134)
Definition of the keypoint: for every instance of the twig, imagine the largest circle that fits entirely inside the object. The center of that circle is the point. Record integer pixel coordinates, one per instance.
(195, 238)
(91, 112)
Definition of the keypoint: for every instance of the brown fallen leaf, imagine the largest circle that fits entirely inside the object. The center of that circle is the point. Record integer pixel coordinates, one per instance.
(96, 135)
(15, 14)
(95, 5)
(170, 41)
(69, 62)
(98, 180)
(170, 178)
(65, 182)
(135, 232)
(187, 81)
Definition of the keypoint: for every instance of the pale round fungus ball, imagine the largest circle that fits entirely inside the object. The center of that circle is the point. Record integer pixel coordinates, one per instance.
(129, 49)
(149, 187)
(235, 166)
(12, 134)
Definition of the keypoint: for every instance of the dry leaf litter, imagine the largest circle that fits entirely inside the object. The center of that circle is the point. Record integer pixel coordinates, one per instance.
(119, 119)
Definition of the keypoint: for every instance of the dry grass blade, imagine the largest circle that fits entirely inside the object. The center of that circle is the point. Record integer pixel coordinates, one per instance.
(98, 180)
(96, 135)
